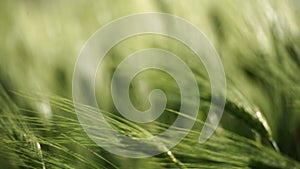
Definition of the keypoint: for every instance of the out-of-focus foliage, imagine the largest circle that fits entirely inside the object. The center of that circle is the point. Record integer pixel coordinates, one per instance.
(259, 45)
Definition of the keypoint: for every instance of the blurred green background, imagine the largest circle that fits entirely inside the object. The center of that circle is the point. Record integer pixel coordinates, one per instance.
(257, 41)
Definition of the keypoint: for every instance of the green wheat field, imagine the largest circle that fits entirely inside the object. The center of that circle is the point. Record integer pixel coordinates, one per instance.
(258, 43)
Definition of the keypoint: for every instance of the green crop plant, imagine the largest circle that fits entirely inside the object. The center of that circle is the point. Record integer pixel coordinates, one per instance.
(258, 43)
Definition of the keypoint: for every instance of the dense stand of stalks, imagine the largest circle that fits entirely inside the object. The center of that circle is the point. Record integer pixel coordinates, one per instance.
(259, 45)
